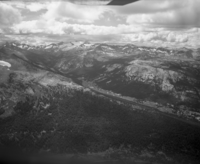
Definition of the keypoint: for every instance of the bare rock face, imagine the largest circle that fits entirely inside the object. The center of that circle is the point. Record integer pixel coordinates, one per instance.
(147, 73)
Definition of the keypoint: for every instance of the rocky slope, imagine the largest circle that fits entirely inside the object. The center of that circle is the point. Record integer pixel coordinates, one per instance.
(167, 76)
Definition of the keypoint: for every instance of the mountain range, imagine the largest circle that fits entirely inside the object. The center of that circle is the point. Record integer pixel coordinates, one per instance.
(169, 77)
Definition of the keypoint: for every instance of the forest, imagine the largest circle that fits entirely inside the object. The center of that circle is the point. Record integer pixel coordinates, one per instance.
(61, 120)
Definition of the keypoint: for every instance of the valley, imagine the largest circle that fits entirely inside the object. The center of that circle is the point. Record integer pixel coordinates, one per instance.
(98, 98)
(158, 77)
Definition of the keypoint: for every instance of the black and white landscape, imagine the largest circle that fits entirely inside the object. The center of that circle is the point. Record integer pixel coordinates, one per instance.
(90, 88)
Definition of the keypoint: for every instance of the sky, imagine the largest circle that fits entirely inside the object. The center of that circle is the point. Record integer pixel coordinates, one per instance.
(147, 22)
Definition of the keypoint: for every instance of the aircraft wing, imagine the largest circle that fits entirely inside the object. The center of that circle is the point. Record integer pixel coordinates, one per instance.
(121, 2)
(86, 2)
(103, 2)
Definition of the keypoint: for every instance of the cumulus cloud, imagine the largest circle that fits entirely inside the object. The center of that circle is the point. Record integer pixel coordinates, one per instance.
(8, 15)
(173, 37)
(66, 11)
(120, 33)
(56, 27)
(164, 36)
(185, 38)
(135, 33)
(34, 7)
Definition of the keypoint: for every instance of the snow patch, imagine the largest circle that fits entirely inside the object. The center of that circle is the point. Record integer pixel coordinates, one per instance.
(5, 64)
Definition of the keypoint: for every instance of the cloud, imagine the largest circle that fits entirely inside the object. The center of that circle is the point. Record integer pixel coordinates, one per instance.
(120, 33)
(135, 33)
(150, 6)
(166, 22)
(68, 11)
(163, 36)
(160, 37)
(8, 15)
(34, 7)
(57, 27)
(178, 38)
(183, 16)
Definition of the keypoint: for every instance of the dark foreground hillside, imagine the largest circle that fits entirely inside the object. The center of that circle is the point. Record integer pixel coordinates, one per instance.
(62, 120)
